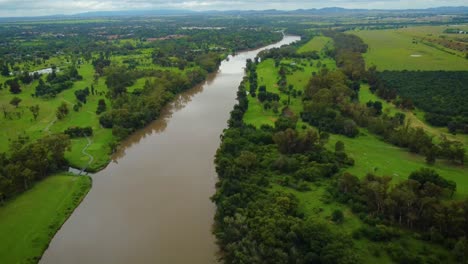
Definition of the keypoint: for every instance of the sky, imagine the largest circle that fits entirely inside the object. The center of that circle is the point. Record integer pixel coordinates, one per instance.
(9, 8)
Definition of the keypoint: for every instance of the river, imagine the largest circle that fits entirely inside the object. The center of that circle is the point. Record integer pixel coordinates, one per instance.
(151, 204)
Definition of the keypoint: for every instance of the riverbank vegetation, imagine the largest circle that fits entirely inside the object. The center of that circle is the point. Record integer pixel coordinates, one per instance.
(319, 153)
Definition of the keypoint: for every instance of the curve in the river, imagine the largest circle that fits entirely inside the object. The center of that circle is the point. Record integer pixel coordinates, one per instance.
(151, 204)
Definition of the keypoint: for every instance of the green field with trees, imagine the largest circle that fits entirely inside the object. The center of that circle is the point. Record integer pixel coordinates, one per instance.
(329, 154)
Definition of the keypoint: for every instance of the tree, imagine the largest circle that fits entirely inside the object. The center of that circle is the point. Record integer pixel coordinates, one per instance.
(461, 248)
(118, 79)
(82, 94)
(15, 101)
(339, 146)
(15, 88)
(34, 110)
(5, 70)
(101, 106)
(62, 111)
(337, 216)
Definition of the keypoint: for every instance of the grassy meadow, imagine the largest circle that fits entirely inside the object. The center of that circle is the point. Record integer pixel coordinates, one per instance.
(398, 50)
(28, 222)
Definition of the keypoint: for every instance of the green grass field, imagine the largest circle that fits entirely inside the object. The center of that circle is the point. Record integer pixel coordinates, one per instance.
(395, 50)
(28, 222)
(372, 155)
(315, 44)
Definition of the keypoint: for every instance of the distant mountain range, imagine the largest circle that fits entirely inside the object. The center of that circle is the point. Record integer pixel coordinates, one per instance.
(327, 10)
(314, 11)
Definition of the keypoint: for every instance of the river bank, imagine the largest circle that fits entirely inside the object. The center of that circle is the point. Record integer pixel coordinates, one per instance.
(151, 204)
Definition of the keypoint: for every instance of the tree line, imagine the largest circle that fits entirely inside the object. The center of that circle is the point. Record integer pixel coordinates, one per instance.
(29, 161)
(420, 203)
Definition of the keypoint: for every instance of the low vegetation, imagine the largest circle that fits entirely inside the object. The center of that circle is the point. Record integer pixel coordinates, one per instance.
(32, 219)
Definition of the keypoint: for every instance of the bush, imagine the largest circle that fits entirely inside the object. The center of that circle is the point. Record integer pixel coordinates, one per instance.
(75, 132)
(337, 216)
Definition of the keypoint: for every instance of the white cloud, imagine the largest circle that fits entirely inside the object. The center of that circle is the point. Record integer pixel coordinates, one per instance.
(49, 7)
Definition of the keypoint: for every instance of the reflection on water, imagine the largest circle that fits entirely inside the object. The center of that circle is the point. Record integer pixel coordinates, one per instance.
(151, 205)
(158, 126)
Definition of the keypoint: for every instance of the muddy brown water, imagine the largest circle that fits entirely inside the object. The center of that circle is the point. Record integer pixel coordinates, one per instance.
(151, 203)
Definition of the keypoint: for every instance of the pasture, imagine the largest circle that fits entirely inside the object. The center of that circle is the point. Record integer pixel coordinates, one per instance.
(397, 50)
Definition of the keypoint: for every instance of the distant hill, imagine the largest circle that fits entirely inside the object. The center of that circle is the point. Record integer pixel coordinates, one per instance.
(313, 11)
(326, 10)
(136, 13)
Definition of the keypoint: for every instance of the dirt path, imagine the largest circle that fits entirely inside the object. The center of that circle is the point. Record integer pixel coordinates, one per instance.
(91, 158)
(47, 128)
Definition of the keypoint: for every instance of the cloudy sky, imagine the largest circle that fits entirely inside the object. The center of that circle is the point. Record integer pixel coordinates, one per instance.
(50, 7)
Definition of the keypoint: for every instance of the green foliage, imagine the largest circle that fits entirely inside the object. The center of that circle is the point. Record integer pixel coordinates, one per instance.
(15, 87)
(75, 132)
(347, 53)
(35, 111)
(426, 175)
(416, 203)
(82, 94)
(15, 101)
(102, 107)
(337, 216)
(29, 162)
(62, 111)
